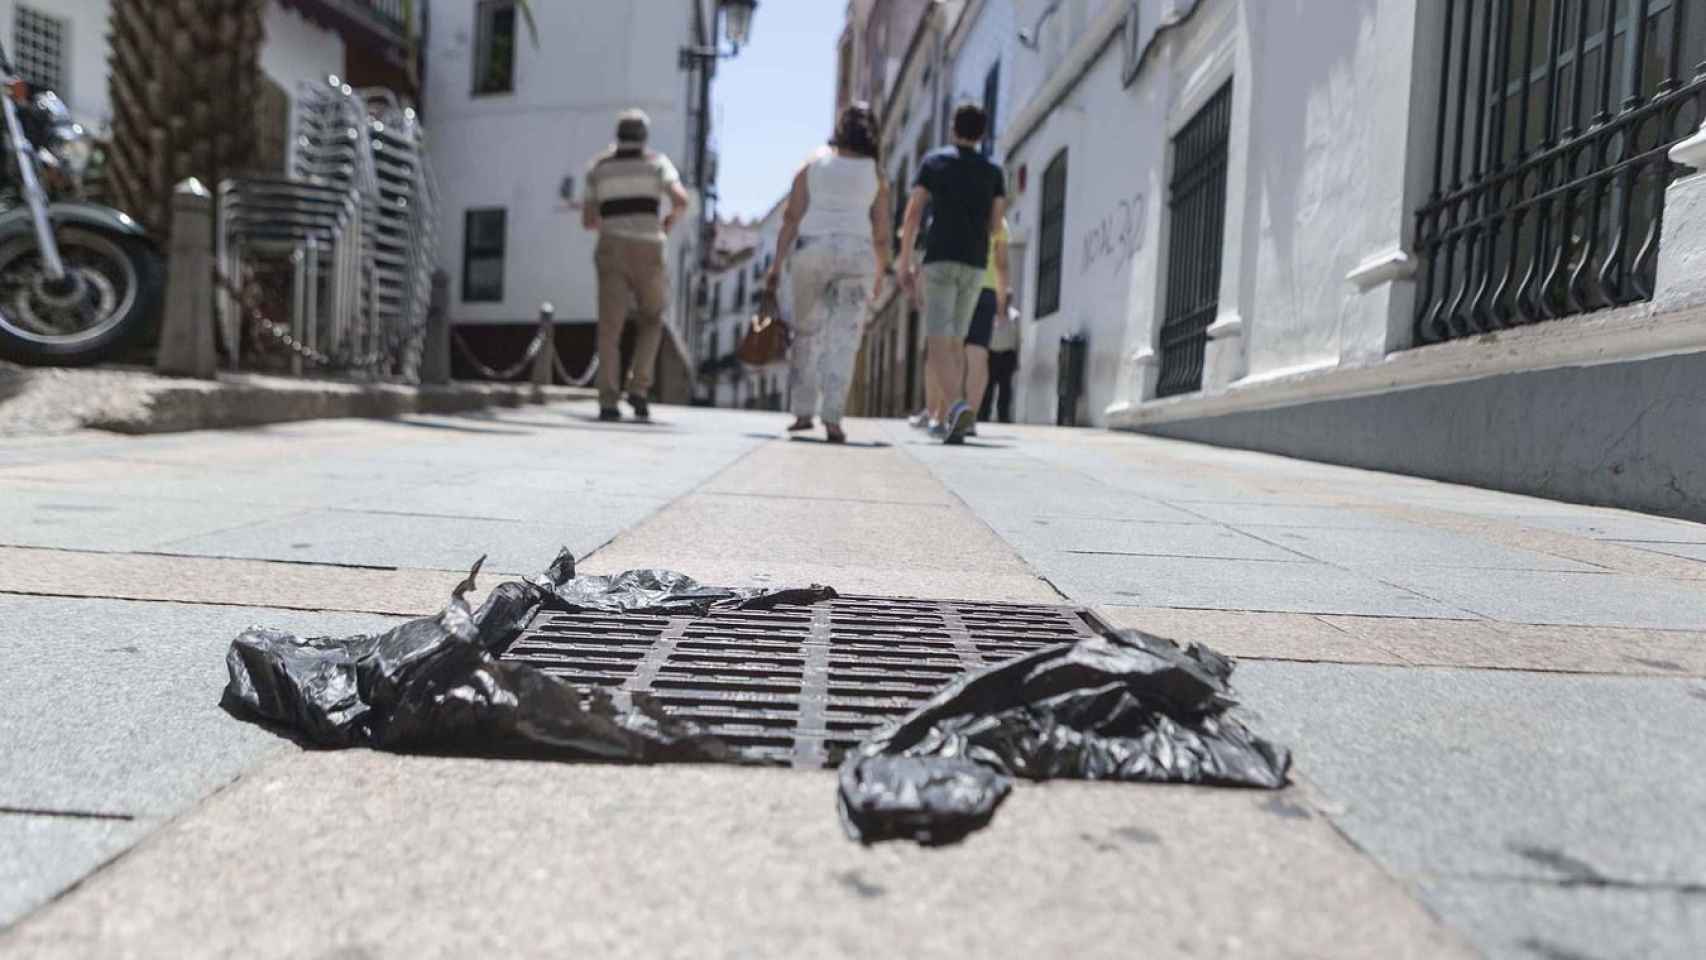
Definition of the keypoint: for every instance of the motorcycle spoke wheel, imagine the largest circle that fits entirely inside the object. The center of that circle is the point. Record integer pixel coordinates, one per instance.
(98, 291)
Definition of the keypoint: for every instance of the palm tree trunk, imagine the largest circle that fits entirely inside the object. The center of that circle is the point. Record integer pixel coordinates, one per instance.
(185, 78)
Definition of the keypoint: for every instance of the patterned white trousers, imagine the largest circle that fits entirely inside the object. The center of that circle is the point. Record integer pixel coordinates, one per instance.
(832, 292)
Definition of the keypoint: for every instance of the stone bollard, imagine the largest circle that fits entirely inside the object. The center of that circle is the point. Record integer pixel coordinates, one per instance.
(186, 329)
(542, 364)
(435, 352)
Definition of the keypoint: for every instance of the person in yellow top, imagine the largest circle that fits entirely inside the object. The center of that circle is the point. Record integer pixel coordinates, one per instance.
(991, 304)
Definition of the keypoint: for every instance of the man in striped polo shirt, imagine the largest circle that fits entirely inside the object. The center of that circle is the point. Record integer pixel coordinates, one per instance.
(625, 189)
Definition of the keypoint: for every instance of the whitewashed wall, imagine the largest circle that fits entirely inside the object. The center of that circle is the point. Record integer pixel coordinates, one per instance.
(294, 50)
(513, 150)
(1322, 176)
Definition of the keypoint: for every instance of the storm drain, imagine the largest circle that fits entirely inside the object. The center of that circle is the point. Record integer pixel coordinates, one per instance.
(798, 685)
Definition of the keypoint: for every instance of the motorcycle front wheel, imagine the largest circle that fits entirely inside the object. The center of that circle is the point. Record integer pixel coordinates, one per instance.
(109, 297)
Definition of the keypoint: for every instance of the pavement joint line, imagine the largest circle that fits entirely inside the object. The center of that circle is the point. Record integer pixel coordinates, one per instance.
(1187, 556)
(295, 513)
(429, 516)
(213, 603)
(792, 496)
(1595, 882)
(66, 814)
(1410, 664)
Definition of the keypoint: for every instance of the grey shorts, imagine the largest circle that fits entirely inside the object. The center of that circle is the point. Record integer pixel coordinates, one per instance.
(950, 298)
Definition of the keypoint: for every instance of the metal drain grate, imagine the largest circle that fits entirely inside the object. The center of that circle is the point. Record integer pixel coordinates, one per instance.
(796, 684)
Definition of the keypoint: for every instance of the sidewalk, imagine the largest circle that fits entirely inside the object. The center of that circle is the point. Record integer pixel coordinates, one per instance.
(135, 400)
(1493, 700)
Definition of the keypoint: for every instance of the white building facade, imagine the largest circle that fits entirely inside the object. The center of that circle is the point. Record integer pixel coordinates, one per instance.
(63, 45)
(517, 124)
(1405, 234)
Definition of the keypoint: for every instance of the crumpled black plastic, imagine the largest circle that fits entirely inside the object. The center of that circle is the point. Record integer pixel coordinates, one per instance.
(436, 683)
(1130, 706)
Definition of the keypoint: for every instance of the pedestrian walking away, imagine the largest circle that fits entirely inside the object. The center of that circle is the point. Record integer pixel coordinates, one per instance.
(991, 309)
(626, 186)
(834, 242)
(1003, 364)
(967, 195)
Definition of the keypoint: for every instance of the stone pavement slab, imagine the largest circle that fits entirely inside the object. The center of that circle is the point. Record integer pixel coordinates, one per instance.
(1508, 780)
(1382, 548)
(227, 582)
(113, 521)
(1522, 596)
(1400, 641)
(1216, 584)
(1084, 535)
(42, 855)
(384, 856)
(111, 708)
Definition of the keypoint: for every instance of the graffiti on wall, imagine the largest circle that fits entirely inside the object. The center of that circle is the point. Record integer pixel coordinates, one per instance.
(1117, 235)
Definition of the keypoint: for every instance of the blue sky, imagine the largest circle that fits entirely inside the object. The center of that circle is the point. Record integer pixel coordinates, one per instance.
(775, 102)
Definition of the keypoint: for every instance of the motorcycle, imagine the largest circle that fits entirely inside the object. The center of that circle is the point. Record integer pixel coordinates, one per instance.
(79, 282)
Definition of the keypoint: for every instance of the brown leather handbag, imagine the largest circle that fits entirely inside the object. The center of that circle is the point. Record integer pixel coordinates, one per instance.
(767, 337)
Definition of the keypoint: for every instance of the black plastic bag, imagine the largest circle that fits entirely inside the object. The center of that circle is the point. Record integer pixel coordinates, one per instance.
(1130, 706)
(436, 684)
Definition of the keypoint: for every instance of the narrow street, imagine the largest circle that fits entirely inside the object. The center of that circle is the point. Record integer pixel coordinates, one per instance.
(1494, 701)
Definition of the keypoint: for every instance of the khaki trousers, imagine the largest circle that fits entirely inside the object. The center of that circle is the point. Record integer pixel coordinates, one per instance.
(631, 274)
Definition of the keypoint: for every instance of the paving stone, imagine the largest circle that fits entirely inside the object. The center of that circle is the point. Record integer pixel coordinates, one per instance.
(1521, 596)
(1269, 636)
(1232, 585)
(1081, 535)
(77, 520)
(1533, 919)
(403, 540)
(181, 579)
(112, 706)
(1687, 551)
(1255, 514)
(1492, 772)
(1618, 525)
(1382, 548)
(722, 862)
(40, 856)
(1518, 646)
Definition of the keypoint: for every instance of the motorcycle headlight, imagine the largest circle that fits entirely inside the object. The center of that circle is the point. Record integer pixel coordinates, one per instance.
(74, 150)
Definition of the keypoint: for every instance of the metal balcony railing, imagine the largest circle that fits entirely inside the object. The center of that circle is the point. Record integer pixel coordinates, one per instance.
(1550, 164)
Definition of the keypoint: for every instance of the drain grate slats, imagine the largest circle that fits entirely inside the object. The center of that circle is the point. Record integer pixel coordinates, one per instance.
(795, 685)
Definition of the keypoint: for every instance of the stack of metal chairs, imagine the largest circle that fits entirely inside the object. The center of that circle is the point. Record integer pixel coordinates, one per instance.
(354, 219)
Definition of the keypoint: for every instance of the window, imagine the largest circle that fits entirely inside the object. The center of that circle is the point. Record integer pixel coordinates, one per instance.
(1051, 230)
(740, 291)
(717, 299)
(494, 52)
(39, 42)
(483, 256)
(991, 100)
(1549, 161)
(1196, 208)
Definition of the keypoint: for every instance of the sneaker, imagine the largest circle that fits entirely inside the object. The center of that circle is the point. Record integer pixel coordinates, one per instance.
(642, 409)
(961, 418)
(609, 413)
(800, 423)
(936, 430)
(919, 420)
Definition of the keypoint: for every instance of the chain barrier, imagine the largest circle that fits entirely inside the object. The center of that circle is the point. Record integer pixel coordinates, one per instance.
(580, 381)
(509, 372)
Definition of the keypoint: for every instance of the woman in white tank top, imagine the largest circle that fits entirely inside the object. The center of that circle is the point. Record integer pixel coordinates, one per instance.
(835, 237)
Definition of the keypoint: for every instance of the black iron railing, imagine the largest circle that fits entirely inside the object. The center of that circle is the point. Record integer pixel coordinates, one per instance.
(1550, 158)
(1196, 206)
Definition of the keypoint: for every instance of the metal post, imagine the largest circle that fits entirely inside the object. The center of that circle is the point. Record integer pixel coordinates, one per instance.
(186, 332)
(547, 347)
(435, 354)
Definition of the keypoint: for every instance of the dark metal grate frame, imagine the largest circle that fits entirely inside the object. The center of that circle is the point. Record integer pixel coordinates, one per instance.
(1197, 216)
(1554, 123)
(796, 685)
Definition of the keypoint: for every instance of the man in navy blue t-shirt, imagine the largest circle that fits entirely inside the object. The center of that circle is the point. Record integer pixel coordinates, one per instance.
(967, 195)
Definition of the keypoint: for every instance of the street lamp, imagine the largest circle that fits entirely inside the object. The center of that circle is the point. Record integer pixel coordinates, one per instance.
(736, 16)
